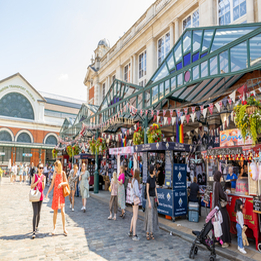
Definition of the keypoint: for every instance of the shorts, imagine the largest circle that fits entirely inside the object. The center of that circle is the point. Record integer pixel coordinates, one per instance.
(24, 174)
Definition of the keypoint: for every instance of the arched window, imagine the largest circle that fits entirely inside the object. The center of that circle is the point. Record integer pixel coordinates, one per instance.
(5, 136)
(51, 140)
(16, 105)
(24, 137)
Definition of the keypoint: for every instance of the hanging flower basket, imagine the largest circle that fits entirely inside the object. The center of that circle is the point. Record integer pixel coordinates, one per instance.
(54, 153)
(248, 118)
(154, 133)
(138, 136)
(98, 146)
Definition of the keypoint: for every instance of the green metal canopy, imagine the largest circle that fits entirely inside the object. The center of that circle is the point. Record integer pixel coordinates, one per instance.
(202, 65)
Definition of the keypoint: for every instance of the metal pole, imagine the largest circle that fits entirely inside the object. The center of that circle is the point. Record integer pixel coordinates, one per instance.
(96, 173)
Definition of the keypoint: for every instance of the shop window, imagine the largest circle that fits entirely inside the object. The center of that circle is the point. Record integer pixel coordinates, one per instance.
(142, 64)
(163, 47)
(191, 20)
(51, 140)
(230, 10)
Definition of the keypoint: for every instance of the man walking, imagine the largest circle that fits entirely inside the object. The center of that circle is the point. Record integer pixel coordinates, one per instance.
(32, 171)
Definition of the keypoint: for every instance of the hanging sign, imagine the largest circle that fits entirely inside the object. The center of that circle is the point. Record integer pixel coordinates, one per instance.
(27, 155)
(180, 176)
(257, 204)
(225, 151)
(168, 167)
(180, 202)
(233, 137)
(2, 153)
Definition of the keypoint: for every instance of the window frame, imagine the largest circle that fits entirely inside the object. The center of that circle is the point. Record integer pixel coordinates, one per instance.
(128, 79)
(164, 47)
(191, 19)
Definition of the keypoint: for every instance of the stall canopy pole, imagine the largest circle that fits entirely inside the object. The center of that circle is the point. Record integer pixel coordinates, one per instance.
(96, 173)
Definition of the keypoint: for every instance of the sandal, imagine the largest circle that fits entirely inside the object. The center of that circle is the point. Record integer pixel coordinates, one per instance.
(110, 217)
(53, 233)
(114, 218)
(65, 232)
(151, 236)
(123, 216)
(148, 236)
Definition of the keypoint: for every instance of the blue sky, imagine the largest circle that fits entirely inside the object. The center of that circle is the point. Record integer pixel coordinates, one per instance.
(51, 42)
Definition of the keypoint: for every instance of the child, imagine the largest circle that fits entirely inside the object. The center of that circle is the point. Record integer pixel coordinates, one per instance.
(114, 197)
(240, 224)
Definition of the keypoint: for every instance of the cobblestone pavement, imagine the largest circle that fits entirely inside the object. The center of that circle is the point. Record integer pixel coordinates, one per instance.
(91, 236)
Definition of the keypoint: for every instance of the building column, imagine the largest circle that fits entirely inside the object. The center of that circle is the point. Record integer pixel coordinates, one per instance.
(250, 11)
(171, 35)
(151, 57)
(96, 93)
(107, 85)
(134, 69)
(88, 89)
(119, 73)
(176, 22)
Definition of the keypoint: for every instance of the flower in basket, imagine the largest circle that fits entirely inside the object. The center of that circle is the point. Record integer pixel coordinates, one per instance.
(248, 118)
(54, 153)
(69, 150)
(138, 136)
(154, 133)
(92, 146)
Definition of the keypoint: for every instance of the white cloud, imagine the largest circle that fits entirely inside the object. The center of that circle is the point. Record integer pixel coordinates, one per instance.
(63, 77)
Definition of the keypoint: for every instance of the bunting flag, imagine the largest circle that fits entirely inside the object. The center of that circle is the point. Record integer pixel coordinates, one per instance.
(210, 108)
(178, 112)
(253, 92)
(205, 112)
(193, 109)
(158, 118)
(173, 119)
(186, 110)
(201, 108)
(172, 138)
(233, 96)
(164, 139)
(247, 95)
(152, 112)
(171, 113)
(182, 118)
(188, 133)
(220, 103)
(146, 112)
(187, 118)
(177, 130)
(165, 120)
(169, 120)
(193, 116)
(196, 130)
(229, 101)
(158, 112)
(217, 106)
(224, 100)
(141, 112)
(164, 112)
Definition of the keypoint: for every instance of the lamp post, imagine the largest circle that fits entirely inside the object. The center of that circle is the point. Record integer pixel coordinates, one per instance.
(96, 173)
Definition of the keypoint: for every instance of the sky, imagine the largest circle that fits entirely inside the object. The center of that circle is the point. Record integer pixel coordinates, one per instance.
(51, 42)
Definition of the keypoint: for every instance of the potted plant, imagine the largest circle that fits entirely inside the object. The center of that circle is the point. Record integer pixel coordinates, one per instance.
(154, 133)
(248, 118)
(138, 136)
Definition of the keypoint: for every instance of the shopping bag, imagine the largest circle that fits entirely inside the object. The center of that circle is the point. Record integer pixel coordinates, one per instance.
(217, 227)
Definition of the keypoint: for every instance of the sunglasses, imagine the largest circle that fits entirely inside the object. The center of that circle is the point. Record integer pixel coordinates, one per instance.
(40, 167)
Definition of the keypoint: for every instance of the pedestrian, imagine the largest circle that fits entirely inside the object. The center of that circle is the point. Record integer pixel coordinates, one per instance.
(72, 180)
(114, 197)
(45, 171)
(32, 171)
(12, 180)
(151, 213)
(84, 186)
(136, 199)
(25, 173)
(38, 181)
(218, 194)
(15, 172)
(59, 179)
(121, 191)
(1, 174)
(239, 225)
(20, 172)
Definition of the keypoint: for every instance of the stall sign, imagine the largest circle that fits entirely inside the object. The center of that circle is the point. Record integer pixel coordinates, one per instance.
(179, 176)
(168, 167)
(225, 151)
(165, 197)
(2, 153)
(233, 137)
(257, 204)
(27, 155)
(179, 147)
(144, 167)
(180, 202)
(122, 150)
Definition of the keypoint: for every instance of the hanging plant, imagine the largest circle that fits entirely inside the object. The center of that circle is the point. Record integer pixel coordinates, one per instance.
(248, 118)
(75, 149)
(154, 133)
(100, 145)
(69, 150)
(92, 146)
(138, 136)
(54, 153)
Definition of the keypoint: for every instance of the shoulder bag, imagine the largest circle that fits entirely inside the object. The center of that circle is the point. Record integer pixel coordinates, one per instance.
(34, 195)
(223, 203)
(66, 188)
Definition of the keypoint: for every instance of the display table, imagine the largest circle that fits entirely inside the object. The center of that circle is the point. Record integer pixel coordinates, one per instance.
(250, 218)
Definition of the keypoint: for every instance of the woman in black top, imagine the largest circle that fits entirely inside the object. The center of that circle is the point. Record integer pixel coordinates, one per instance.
(219, 194)
(151, 213)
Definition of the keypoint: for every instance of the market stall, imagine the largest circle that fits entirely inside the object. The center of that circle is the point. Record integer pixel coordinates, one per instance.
(173, 194)
(247, 188)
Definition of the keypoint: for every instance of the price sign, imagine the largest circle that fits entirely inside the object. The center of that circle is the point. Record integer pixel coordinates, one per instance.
(257, 204)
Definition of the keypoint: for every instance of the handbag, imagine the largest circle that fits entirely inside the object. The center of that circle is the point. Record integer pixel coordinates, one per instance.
(110, 188)
(223, 203)
(217, 227)
(66, 190)
(34, 195)
(136, 201)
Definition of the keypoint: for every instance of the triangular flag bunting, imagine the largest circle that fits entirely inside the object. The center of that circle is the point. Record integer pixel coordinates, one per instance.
(164, 112)
(172, 138)
(171, 113)
(201, 108)
(218, 107)
(210, 108)
(173, 120)
(182, 118)
(205, 112)
(186, 110)
(169, 120)
(146, 112)
(158, 118)
(187, 118)
(193, 116)
(193, 109)
(165, 120)
(155, 117)
(198, 115)
(233, 96)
